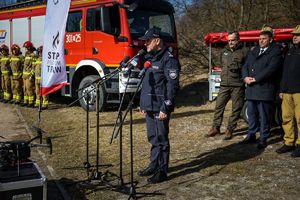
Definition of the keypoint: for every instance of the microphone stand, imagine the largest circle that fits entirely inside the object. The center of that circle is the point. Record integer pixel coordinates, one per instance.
(98, 82)
(120, 107)
(121, 187)
(131, 191)
(97, 173)
(87, 164)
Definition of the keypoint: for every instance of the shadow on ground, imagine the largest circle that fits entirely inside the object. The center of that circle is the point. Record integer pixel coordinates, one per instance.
(221, 157)
(64, 189)
(79, 190)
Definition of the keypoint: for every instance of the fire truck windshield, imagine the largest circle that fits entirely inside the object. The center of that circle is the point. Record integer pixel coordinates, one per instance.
(141, 20)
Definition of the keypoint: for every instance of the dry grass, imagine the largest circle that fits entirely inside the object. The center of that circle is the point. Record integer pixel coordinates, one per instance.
(200, 168)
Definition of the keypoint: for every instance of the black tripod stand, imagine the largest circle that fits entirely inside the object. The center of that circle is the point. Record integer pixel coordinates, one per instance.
(87, 164)
(131, 190)
(88, 98)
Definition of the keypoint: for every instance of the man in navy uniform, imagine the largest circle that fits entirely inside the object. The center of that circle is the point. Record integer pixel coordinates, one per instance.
(260, 74)
(159, 87)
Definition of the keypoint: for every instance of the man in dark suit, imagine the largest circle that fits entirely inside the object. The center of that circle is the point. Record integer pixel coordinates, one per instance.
(259, 73)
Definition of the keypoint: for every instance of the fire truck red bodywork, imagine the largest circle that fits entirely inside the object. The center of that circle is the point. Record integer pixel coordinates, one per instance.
(92, 52)
(282, 34)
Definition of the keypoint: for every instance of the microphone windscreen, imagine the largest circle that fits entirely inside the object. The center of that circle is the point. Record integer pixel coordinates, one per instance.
(147, 64)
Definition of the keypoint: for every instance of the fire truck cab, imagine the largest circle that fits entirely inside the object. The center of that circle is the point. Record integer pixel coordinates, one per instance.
(99, 34)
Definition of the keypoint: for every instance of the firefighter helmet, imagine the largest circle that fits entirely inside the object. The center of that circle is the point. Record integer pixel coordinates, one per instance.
(28, 45)
(16, 48)
(4, 48)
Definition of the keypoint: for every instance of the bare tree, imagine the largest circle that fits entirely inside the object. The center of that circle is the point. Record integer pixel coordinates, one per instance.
(196, 18)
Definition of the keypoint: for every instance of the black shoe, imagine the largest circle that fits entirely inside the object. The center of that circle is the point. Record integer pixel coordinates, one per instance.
(147, 172)
(30, 105)
(262, 144)
(158, 177)
(248, 140)
(296, 152)
(285, 149)
(24, 104)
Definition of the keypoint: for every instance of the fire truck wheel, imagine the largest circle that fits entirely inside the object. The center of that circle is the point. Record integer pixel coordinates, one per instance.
(89, 92)
(244, 112)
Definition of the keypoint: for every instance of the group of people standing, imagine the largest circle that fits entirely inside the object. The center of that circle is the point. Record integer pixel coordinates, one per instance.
(21, 76)
(259, 75)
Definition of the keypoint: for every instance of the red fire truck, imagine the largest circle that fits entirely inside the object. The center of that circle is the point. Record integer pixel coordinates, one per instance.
(250, 38)
(99, 34)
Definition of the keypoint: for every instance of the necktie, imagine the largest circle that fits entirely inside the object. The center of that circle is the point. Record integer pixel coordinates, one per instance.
(261, 51)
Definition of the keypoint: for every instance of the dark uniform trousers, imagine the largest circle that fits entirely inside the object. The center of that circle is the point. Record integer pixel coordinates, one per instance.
(158, 136)
(259, 115)
(237, 95)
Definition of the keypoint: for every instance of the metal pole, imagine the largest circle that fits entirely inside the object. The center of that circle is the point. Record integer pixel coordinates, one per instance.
(97, 174)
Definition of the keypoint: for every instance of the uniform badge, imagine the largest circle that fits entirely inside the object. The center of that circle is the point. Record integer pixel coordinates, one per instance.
(173, 74)
(168, 102)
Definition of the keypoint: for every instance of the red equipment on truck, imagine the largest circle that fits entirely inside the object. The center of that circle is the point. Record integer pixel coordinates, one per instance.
(99, 34)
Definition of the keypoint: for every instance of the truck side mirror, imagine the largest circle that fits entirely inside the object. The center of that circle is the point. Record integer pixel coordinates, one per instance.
(130, 7)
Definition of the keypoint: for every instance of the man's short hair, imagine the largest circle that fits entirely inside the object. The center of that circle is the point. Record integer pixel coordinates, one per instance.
(266, 30)
(237, 34)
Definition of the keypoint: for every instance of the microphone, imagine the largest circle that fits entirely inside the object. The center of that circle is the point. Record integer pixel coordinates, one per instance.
(147, 65)
(123, 63)
(133, 62)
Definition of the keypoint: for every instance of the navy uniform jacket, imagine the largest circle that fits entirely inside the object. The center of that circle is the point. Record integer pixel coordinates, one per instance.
(264, 68)
(160, 83)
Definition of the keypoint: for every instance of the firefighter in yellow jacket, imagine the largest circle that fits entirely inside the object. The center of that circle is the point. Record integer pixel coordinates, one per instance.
(16, 64)
(28, 80)
(37, 73)
(6, 73)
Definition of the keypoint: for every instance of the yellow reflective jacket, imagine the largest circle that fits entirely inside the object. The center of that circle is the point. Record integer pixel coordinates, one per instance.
(16, 64)
(5, 66)
(28, 65)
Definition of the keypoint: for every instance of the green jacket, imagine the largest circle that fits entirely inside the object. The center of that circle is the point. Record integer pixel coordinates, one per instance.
(231, 63)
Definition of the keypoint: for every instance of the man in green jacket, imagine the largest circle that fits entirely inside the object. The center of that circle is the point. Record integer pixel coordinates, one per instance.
(232, 86)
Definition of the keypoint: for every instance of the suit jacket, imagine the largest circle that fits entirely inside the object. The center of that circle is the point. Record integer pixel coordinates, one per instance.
(265, 68)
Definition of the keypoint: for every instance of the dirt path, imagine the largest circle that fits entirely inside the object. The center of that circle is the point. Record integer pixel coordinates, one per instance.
(10, 123)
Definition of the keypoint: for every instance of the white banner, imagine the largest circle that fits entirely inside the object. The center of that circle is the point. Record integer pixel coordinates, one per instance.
(53, 65)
